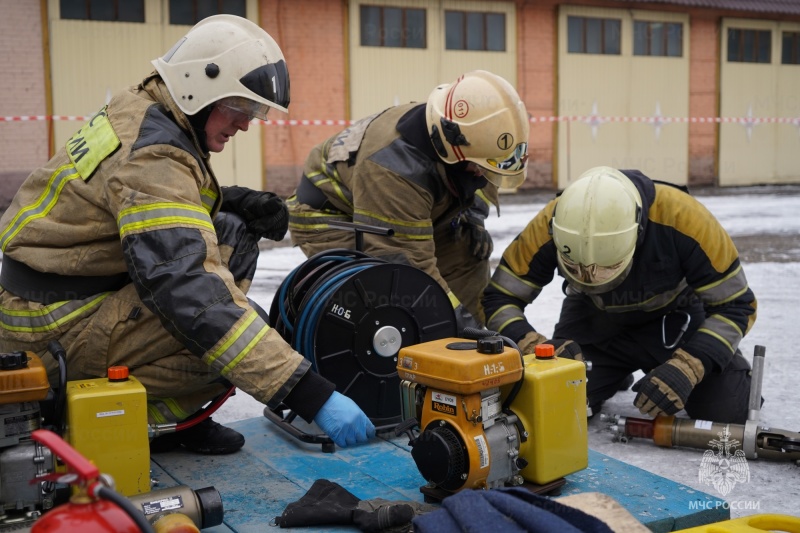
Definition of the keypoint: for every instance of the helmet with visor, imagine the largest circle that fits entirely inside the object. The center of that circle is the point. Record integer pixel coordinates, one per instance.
(229, 60)
(595, 227)
(480, 118)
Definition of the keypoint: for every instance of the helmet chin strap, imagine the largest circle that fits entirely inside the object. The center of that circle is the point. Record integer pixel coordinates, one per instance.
(198, 122)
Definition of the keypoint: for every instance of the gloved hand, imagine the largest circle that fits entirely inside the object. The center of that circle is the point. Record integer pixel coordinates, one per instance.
(472, 227)
(464, 319)
(563, 347)
(528, 343)
(265, 213)
(665, 389)
(343, 421)
(567, 349)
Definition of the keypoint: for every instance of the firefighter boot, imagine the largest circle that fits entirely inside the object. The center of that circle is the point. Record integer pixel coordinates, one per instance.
(207, 437)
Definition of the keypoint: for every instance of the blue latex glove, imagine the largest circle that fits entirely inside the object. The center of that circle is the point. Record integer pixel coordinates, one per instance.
(343, 421)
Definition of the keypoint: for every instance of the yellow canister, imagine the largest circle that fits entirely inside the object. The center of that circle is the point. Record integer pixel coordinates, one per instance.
(551, 405)
(107, 424)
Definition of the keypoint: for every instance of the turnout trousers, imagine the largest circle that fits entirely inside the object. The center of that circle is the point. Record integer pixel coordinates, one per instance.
(122, 331)
(616, 349)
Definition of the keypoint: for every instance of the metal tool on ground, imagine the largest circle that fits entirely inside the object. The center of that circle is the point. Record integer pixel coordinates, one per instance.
(202, 507)
(756, 440)
(488, 418)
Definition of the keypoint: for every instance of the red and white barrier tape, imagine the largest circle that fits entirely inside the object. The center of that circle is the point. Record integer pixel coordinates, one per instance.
(588, 119)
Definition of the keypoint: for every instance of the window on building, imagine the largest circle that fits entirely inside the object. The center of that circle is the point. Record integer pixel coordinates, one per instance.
(471, 30)
(657, 38)
(190, 12)
(790, 49)
(588, 35)
(396, 27)
(749, 46)
(115, 10)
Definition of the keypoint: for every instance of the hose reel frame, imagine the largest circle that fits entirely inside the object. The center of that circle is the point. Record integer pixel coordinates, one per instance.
(349, 314)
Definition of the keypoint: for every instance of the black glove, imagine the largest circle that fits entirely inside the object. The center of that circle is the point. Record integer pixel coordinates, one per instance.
(665, 389)
(472, 227)
(566, 348)
(265, 213)
(563, 347)
(328, 503)
(464, 319)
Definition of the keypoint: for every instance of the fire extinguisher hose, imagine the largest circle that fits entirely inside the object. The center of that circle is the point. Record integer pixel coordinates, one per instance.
(123, 503)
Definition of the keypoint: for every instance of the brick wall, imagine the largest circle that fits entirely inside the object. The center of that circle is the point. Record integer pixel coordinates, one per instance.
(23, 145)
(704, 52)
(311, 35)
(537, 42)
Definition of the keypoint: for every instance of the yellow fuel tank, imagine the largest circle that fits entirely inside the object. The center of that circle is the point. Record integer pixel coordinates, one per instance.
(551, 404)
(107, 424)
(455, 365)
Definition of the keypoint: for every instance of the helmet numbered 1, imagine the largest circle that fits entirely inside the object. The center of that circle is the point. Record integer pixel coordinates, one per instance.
(481, 118)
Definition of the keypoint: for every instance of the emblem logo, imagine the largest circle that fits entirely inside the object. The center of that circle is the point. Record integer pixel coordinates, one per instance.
(724, 468)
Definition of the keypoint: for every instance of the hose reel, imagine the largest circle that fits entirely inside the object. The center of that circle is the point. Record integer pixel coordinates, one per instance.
(349, 314)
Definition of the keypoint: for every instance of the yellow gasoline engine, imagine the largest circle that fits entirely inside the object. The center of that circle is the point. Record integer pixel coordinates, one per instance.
(488, 417)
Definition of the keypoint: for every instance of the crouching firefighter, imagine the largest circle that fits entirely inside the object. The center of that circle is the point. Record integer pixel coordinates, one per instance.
(125, 249)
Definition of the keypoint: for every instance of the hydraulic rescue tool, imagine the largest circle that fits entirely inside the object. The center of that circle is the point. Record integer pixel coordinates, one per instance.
(487, 417)
(95, 507)
(756, 441)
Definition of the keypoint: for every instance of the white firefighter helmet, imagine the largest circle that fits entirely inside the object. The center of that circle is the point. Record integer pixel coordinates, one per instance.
(596, 225)
(230, 57)
(481, 118)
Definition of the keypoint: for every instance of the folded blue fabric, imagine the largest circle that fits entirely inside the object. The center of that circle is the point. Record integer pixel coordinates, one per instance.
(512, 510)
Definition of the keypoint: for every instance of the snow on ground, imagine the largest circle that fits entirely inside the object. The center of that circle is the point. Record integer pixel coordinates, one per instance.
(773, 486)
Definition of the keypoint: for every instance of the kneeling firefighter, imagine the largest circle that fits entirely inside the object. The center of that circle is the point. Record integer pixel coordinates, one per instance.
(125, 249)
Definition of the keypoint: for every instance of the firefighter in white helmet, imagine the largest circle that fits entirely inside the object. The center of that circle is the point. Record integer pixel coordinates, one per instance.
(125, 249)
(652, 282)
(426, 171)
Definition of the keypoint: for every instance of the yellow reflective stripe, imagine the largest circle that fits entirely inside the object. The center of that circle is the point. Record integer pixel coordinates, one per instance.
(509, 283)
(334, 181)
(162, 214)
(454, 301)
(504, 316)
(418, 231)
(91, 144)
(175, 408)
(725, 290)
(43, 205)
(238, 345)
(49, 317)
(659, 301)
(230, 366)
(723, 329)
(208, 198)
(155, 414)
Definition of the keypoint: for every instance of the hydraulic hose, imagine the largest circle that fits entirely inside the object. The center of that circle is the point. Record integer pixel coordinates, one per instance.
(206, 412)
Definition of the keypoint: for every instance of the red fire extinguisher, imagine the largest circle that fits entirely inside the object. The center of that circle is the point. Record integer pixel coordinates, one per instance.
(94, 507)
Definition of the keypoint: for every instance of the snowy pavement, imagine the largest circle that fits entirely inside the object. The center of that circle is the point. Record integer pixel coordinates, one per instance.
(772, 486)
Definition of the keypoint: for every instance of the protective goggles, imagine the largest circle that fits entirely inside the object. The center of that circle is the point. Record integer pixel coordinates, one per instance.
(513, 163)
(592, 274)
(237, 108)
